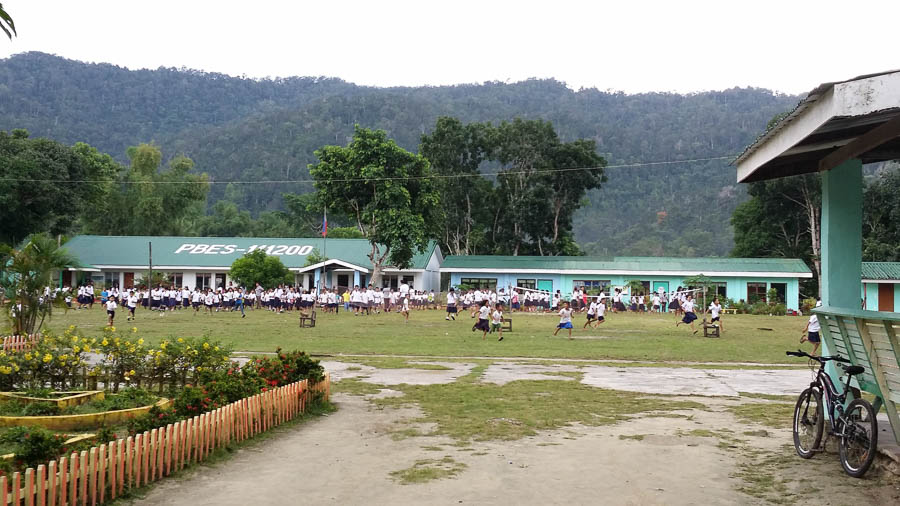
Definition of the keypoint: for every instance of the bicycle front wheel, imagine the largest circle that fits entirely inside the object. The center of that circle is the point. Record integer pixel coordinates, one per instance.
(809, 421)
(859, 441)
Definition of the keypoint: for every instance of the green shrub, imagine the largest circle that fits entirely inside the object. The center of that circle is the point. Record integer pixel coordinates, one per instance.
(34, 445)
(194, 400)
(127, 398)
(760, 308)
(779, 309)
(155, 418)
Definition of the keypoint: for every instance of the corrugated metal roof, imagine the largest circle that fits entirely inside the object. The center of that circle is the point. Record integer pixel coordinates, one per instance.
(709, 265)
(219, 252)
(810, 98)
(882, 271)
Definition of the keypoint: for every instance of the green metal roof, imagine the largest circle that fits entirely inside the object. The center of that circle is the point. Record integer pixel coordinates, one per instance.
(881, 270)
(636, 264)
(219, 252)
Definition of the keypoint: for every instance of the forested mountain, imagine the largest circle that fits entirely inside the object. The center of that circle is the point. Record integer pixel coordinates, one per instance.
(258, 130)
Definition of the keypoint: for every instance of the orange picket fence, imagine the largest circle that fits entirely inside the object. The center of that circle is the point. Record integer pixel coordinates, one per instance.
(20, 343)
(108, 470)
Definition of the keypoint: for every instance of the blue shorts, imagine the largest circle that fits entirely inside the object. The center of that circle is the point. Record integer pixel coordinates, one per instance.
(689, 317)
(566, 325)
(813, 337)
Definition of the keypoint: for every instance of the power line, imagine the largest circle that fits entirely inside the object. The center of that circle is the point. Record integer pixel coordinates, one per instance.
(401, 178)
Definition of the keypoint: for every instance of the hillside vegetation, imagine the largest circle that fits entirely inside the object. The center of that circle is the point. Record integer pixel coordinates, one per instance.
(267, 130)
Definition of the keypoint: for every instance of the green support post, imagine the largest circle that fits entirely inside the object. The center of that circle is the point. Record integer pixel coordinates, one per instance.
(841, 242)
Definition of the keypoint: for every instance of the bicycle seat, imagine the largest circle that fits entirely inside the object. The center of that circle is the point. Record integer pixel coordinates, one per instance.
(853, 370)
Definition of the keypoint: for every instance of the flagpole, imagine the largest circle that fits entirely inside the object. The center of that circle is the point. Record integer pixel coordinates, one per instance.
(324, 241)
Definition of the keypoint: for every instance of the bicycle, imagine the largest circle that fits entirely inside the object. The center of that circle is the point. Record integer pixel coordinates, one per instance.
(855, 427)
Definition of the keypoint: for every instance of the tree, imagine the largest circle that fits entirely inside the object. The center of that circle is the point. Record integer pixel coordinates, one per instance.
(26, 275)
(258, 267)
(7, 24)
(150, 201)
(387, 191)
(781, 219)
(456, 152)
(881, 217)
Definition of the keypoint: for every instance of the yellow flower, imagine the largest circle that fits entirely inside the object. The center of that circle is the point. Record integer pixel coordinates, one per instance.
(205, 346)
(134, 330)
(141, 341)
(63, 357)
(104, 342)
(2, 353)
(28, 356)
(47, 358)
(76, 349)
(87, 349)
(5, 369)
(112, 329)
(216, 348)
(180, 340)
(75, 339)
(163, 344)
(16, 367)
(131, 372)
(71, 327)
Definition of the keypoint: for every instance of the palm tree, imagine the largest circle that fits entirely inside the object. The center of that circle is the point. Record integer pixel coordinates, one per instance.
(6, 23)
(25, 277)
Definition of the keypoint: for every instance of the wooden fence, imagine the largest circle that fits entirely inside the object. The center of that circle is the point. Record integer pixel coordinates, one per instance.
(106, 471)
(20, 343)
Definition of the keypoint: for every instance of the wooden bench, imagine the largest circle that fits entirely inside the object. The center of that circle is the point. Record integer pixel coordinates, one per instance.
(868, 339)
(710, 329)
(506, 324)
(730, 310)
(308, 320)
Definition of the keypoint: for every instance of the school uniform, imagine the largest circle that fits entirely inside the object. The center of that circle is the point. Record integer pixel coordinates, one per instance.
(565, 319)
(689, 315)
(483, 316)
(451, 303)
(714, 310)
(812, 331)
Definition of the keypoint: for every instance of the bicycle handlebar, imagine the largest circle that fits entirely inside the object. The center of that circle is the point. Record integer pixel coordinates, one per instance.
(822, 360)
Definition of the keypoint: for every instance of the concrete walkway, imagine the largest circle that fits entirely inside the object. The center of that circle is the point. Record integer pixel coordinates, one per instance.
(650, 380)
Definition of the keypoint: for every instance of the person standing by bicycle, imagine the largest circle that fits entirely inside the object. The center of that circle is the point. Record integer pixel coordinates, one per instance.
(811, 331)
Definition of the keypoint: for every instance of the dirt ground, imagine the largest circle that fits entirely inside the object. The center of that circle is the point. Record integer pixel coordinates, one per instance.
(698, 457)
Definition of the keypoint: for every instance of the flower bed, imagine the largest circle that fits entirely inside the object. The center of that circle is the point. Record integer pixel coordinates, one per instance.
(104, 472)
(83, 421)
(61, 400)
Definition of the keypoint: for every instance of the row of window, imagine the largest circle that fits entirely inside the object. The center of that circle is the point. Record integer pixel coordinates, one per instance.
(755, 291)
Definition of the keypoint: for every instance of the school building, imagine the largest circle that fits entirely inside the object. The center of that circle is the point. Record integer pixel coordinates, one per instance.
(881, 286)
(746, 279)
(205, 262)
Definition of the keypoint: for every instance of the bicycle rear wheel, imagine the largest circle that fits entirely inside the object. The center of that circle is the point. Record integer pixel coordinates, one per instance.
(809, 421)
(859, 441)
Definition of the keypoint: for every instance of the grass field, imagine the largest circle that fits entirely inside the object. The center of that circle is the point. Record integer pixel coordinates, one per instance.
(624, 336)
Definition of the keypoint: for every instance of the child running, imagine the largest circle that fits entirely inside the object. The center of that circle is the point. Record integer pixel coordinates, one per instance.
(811, 331)
(111, 310)
(497, 320)
(715, 309)
(483, 315)
(689, 316)
(405, 308)
(565, 320)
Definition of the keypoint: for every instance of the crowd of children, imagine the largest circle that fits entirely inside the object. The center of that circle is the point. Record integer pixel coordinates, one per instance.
(485, 304)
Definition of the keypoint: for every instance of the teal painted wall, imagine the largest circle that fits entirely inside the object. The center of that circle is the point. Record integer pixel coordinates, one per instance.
(736, 288)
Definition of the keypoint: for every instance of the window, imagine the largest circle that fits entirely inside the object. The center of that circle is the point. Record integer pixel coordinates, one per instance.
(716, 289)
(756, 292)
(110, 279)
(479, 283)
(220, 280)
(175, 279)
(593, 286)
(204, 280)
(780, 291)
(526, 283)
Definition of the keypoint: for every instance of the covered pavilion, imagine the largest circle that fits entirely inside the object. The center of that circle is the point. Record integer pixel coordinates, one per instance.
(836, 129)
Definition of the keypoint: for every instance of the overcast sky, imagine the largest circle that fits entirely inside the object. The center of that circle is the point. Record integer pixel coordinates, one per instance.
(629, 45)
